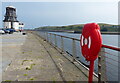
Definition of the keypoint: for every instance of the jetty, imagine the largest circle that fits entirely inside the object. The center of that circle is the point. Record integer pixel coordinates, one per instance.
(34, 59)
(42, 56)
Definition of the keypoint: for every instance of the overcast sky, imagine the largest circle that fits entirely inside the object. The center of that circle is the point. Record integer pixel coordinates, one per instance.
(36, 14)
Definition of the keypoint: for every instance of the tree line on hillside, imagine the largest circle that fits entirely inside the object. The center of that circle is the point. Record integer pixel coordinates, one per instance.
(78, 27)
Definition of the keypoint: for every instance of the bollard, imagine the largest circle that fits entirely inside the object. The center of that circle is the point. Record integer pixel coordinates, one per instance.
(24, 33)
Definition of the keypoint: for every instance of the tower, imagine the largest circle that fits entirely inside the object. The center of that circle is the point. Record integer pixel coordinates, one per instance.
(10, 20)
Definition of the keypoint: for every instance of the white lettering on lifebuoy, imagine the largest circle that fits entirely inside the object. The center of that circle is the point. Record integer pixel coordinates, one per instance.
(89, 44)
(82, 40)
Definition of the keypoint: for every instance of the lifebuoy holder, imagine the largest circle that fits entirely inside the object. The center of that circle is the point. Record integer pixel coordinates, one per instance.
(90, 42)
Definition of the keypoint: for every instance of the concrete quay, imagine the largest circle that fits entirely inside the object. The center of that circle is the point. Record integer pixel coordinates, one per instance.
(30, 58)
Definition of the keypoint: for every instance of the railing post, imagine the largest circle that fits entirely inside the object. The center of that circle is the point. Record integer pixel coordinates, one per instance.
(47, 37)
(55, 40)
(73, 49)
(44, 36)
(50, 39)
(101, 67)
(62, 44)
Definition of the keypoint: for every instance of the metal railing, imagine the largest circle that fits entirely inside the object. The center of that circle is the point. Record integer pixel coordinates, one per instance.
(106, 66)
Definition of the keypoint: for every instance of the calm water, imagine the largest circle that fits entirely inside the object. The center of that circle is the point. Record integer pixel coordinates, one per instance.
(111, 65)
(111, 40)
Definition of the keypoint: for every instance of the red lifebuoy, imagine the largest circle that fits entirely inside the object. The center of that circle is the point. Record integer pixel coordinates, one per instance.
(91, 41)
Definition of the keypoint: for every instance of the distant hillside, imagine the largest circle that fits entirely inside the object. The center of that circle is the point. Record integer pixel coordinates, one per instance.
(78, 27)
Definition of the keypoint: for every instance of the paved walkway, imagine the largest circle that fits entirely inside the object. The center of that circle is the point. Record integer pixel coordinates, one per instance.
(10, 47)
(36, 60)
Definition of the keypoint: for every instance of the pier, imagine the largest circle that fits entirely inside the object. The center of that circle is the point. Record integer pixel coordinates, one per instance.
(35, 59)
(45, 56)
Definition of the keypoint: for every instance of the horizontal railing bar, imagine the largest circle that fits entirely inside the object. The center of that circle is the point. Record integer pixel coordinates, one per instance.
(110, 47)
(65, 36)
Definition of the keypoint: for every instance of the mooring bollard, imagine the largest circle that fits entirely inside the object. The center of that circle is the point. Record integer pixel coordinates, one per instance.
(24, 33)
(91, 43)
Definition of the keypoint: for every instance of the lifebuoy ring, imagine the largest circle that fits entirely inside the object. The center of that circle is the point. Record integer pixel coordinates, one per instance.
(91, 41)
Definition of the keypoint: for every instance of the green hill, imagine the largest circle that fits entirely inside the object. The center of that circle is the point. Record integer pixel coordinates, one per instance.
(78, 27)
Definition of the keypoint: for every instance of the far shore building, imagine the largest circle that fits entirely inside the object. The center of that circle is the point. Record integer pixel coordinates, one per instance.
(10, 20)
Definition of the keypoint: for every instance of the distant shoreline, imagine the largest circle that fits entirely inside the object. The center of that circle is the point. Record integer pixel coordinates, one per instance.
(107, 33)
(77, 32)
(111, 33)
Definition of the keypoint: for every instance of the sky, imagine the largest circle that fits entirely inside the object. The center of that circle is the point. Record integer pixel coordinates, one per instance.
(36, 14)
